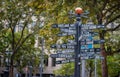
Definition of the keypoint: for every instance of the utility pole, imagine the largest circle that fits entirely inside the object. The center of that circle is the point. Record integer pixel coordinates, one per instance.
(42, 57)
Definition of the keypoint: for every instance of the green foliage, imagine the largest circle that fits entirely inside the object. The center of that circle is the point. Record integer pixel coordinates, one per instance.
(66, 69)
(114, 65)
(14, 11)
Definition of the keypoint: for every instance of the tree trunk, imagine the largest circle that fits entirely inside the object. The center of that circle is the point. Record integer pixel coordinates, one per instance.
(104, 62)
(90, 73)
(11, 71)
(103, 53)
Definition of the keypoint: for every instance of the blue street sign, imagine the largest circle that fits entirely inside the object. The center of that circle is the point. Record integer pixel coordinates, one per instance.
(91, 26)
(62, 25)
(87, 46)
(68, 31)
(65, 61)
(60, 55)
(87, 42)
(98, 41)
(66, 34)
(91, 50)
(66, 28)
(62, 46)
(66, 51)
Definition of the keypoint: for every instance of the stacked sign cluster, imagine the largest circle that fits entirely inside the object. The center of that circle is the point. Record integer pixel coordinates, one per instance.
(86, 40)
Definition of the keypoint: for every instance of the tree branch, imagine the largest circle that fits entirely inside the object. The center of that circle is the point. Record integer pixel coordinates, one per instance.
(22, 33)
(111, 13)
(114, 52)
(113, 29)
(109, 9)
(105, 3)
(3, 50)
(21, 43)
(118, 16)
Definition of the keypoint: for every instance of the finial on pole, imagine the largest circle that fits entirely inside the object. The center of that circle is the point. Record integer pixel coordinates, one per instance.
(78, 10)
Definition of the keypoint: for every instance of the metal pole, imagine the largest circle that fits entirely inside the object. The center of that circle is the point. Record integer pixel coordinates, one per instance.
(95, 67)
(78, 46)
(42, 58)
(30, 72)
(83, 68)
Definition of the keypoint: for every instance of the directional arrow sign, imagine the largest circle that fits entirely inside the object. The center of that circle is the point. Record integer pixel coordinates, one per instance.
(87, 32)
(91, 26)
(88, 46)
(63, 46)
(64, 61)
(87, 57)
(59, 55)
(91, 50)
(68, 31)
(86, 42)
(98, 41)
(66, 51)
(66, 28)
(72, 43)
(66, 34)
(62, 25)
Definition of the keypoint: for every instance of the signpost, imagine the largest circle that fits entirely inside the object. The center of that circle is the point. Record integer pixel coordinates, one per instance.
(82, 46)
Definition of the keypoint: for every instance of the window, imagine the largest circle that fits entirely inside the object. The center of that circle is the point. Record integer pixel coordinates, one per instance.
(53, 61)
(46, 61)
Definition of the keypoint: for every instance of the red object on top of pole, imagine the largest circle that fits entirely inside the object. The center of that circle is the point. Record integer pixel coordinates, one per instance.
(78, 10)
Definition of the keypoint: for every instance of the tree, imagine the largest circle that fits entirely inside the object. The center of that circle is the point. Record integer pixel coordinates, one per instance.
(102, 12)
(18, 14)
(65, 70)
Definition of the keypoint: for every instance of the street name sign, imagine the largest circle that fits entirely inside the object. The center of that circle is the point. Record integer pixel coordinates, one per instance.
(88, 46)
(91, 50)
(62, 46)
(68, 31)
(66, 34)
(86, 42)
(62, 25)
(66, 51)
(91, 26)
(60, 55)
(65, 61)
(66, 28)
